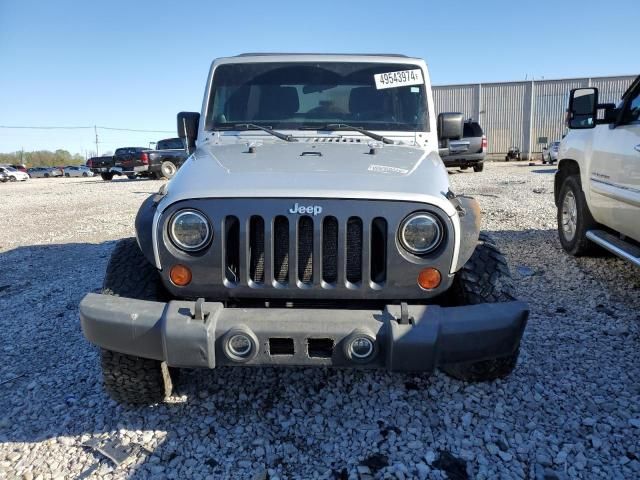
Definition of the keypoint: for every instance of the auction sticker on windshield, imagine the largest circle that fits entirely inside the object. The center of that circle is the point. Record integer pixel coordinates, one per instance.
(398, 79)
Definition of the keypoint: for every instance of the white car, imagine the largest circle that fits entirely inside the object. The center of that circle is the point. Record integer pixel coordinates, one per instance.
(597, 186)
(80, 171)
(14, 175)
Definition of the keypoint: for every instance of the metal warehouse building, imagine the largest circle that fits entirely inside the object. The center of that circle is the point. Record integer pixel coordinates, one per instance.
(519, 113)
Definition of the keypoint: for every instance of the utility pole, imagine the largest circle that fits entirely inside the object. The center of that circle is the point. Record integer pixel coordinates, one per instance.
(95, 130)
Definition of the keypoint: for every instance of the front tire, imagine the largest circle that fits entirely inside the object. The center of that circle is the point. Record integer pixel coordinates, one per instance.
(107, 177)
(127, 378)
(485, 278)
(13, 179)
(574, 218)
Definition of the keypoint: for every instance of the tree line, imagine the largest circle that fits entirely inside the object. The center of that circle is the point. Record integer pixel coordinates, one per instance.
(42, 158)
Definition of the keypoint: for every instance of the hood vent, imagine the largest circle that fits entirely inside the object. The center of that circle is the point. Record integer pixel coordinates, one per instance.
(330, 140)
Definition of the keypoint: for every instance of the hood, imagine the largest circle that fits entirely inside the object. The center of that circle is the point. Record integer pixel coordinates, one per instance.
(312, 169)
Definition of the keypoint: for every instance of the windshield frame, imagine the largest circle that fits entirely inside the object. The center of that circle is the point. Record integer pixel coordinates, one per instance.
(391, 64)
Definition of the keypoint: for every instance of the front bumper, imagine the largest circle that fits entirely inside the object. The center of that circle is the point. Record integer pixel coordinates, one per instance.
(130, 170)
(192, 334)
(463, 160)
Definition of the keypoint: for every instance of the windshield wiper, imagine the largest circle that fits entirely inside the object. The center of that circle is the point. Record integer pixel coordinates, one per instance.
(344, 126)
(253, 126)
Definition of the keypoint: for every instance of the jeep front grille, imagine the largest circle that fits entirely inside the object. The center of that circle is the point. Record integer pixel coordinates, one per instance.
(304, 251)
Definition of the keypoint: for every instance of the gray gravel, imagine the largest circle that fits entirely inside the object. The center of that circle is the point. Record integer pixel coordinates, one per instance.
(570, 410)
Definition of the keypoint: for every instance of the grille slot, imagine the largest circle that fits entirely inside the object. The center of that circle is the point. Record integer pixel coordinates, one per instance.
(232, 249)
(378, 250)
(281, 249)
(330, 250)
(256, 249)
(305, 250)
(354, 250)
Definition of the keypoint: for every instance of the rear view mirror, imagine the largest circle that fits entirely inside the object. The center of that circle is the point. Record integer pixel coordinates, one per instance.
(188, 128)
(583, 108)
(450, 126)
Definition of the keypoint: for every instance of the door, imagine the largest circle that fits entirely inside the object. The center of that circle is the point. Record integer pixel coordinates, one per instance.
(615, 170)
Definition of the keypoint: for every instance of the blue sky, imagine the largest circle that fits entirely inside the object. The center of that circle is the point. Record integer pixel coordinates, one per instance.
(135, 64)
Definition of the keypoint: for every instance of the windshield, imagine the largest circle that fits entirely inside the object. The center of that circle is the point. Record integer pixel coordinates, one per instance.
(303, 95)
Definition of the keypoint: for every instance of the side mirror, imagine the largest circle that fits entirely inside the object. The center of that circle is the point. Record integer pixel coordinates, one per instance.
(188, 128)
(583, 108)
(450, 126)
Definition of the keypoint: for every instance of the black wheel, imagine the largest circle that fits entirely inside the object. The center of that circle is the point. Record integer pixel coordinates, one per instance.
(107, 177)
(46, 175)
(134, 380)
(128, 378)
(67, 175)
(131, 177)
(478, 167)
(574, 218)
(485, 278)
(506, 159)
(463, 168)
(13, 179)
(84, 174)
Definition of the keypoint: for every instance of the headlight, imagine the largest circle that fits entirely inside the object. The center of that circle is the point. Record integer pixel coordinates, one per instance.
(190, 230)
(420, 233)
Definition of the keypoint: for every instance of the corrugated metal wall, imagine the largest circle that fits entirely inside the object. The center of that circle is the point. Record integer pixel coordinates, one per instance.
(519, 113)
(504, 114)
(550, 100)
(457, 98)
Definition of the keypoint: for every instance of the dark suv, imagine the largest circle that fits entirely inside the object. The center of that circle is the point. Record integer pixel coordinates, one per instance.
(470, 150)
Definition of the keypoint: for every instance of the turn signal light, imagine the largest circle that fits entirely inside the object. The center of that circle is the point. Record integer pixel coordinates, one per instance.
(429, 278)
(180, 275)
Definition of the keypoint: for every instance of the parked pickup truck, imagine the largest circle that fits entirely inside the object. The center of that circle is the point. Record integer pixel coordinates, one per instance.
(142, 162)
(102, 166)
(131, 161)
(167, 159)
(597, 186)
(470, 150)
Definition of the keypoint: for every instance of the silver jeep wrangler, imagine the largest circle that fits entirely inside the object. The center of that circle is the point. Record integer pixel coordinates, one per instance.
(312, 224)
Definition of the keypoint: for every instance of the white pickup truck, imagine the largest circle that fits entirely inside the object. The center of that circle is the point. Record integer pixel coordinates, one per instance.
(597, 186)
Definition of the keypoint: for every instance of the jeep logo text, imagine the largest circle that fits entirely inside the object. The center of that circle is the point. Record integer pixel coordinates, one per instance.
(309, 209)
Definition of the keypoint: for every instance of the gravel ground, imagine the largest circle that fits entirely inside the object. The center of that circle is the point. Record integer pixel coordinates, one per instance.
(570, 410)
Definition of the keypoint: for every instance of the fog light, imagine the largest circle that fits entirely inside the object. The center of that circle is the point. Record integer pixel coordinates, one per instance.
(361, 348)
(240, 345)
(429, 278)
(180, 275)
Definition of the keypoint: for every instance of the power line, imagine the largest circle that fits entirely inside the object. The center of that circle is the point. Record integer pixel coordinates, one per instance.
(83, 127)
(136, 130)
(43, 128)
